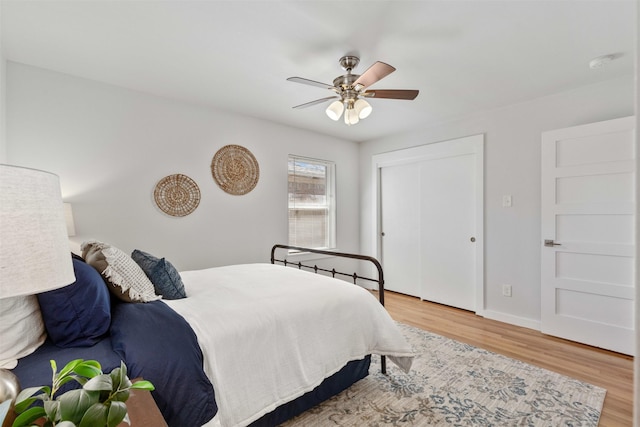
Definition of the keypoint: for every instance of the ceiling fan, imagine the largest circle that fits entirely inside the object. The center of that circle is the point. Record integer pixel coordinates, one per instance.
(351, 89)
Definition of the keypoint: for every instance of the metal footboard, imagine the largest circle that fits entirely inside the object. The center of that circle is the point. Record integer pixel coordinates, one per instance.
(354, 276)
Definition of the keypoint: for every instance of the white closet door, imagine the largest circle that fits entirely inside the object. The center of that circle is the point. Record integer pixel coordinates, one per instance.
(400, 211)
(430, 202)
(588, 202)
(447, 238)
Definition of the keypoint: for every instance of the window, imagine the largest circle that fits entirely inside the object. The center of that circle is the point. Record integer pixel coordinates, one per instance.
(312, 206)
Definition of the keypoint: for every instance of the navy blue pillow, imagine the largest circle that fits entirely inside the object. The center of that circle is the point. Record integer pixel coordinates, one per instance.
(165, 278)
(79, 314)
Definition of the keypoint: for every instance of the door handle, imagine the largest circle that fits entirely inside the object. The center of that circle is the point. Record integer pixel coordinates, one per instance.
(551, 243)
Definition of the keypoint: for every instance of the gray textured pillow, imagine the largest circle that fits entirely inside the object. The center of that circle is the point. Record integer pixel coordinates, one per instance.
(162, 273)
(125, 278)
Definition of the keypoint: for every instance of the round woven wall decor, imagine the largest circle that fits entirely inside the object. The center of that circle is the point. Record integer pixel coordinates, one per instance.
(177, 195)
(235, 169)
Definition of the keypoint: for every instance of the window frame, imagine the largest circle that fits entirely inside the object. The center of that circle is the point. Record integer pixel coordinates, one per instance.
(330, 195)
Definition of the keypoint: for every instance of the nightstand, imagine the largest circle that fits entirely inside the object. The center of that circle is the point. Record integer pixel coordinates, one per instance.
(142, 410)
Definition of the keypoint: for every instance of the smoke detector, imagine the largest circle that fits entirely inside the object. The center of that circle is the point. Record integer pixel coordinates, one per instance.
(603, 60)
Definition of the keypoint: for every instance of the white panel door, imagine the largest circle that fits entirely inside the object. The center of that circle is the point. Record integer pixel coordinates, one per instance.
(400, 212)
(447, 239)
(588, 201)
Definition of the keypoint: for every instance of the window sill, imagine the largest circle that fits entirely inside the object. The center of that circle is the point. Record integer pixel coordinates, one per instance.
(305, 256)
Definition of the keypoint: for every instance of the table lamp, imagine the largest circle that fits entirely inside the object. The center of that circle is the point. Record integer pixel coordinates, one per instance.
(34, 251)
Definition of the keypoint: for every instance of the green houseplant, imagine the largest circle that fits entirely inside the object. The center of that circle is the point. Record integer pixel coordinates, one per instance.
(99, 403)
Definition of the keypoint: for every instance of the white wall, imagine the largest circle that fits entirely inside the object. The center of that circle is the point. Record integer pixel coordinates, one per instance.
(110, 146)
(3, 92)
(636, 364)
(512, 166)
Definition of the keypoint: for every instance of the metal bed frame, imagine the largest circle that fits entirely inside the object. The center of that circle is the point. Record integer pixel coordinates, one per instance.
(354, 276)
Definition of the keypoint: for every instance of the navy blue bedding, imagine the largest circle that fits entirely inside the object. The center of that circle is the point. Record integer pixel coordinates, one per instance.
(336, 383)
(156, 343)
(34, 370)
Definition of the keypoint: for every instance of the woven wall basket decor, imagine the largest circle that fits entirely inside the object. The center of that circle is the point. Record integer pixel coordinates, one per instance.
(235, 169)
(177, 195)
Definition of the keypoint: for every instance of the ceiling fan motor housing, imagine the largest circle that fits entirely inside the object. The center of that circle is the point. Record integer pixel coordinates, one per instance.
(349, 62)
(345, 84)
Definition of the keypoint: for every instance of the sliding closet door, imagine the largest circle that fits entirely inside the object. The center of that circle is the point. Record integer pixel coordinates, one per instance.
(430, 206)
(400, 193)
(447, 238)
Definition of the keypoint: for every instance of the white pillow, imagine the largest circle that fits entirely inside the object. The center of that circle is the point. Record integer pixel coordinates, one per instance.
(124, 276)
(21, 329)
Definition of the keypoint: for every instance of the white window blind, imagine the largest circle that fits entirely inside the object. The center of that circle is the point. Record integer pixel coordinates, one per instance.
(311, 203)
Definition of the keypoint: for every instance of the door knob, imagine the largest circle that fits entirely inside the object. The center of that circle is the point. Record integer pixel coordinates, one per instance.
(551, 243)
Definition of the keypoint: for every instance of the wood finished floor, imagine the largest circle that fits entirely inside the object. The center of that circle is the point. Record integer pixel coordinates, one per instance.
(606, 369)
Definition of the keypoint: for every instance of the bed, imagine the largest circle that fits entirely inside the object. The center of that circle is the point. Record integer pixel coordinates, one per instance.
(252, 344)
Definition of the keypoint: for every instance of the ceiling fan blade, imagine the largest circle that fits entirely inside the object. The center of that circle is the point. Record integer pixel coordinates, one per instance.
(392, 93)
(317, 101)
(310, 82)
(374, 73)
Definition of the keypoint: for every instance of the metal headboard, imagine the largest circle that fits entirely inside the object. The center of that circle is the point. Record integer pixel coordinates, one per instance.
(315, 268)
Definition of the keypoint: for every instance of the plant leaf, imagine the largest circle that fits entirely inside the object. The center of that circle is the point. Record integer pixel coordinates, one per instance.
(87, 370)
(115, 377)
(52, 408)
(117, 412)
(126, 419)
(25, 398)
(100, 383)
(96, 416)
(63, 376)
(123, 369)
(63, 380)
(93, 363)
(121, 396)
(143, 385)
(80, 380)
(119, 378)
(24, 404)
(74, 403)
(69, 367)
(29, 416)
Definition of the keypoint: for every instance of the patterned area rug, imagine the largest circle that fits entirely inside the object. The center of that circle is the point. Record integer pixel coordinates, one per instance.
(456, 384)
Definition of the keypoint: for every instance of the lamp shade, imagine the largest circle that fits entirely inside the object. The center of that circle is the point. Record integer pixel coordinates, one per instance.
(363, 108)
(334, 110)
(34, 249)
(351, 116)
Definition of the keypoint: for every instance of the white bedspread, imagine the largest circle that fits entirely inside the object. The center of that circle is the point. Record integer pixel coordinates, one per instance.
(271, 333)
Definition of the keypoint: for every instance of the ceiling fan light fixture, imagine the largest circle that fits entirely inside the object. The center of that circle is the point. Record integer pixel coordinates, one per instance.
(349, 87)
(334, 110)
(351, 116)
(363, 108)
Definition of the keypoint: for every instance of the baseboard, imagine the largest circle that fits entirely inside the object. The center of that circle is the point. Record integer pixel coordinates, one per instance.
(511, 319)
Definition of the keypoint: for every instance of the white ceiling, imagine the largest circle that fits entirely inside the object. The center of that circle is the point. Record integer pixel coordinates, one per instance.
(463, 56)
